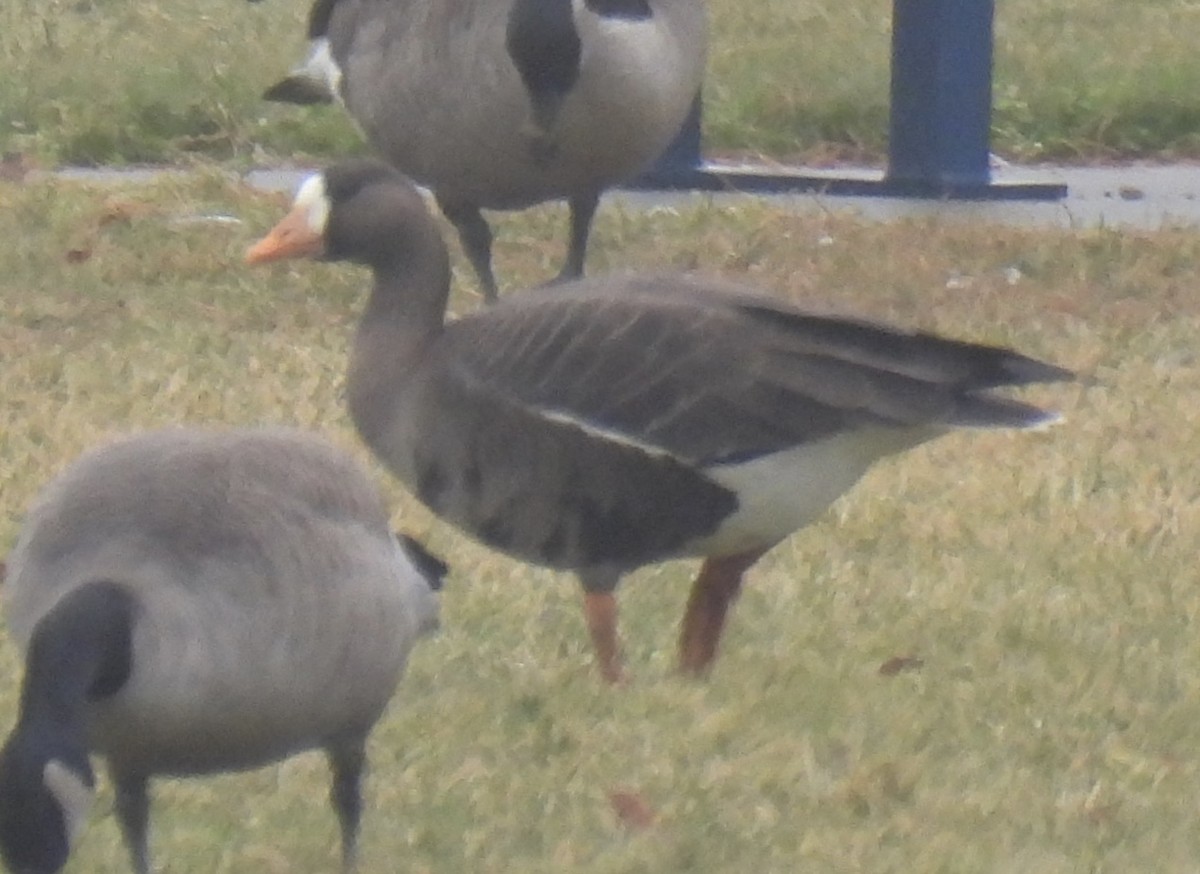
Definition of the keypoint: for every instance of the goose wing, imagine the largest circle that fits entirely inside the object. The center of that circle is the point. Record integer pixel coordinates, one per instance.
(711, 376)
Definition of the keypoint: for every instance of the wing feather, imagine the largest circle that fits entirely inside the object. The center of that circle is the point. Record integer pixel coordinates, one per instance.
(707, 376)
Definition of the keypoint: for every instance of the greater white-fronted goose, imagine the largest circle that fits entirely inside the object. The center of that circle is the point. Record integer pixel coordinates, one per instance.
(501, 104)
(193, 601)
(614, 422)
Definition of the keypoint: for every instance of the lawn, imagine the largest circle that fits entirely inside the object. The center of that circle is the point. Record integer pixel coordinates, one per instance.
(118, 81)
(982, 659)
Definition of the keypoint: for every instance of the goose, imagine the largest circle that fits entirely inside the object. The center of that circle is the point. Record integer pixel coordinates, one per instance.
(620, 421)
(191, 601)
(502, 104)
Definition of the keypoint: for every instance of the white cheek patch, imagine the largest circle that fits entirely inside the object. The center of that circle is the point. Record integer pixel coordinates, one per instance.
(426, 608)
(73, 795)
(314, 201)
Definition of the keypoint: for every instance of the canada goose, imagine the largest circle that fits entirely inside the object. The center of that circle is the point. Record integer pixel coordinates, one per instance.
(501, 104)
(194, 601)
(626, 420)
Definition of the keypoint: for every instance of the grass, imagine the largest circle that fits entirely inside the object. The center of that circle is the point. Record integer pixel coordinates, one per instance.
(119, 81)
(983, 659)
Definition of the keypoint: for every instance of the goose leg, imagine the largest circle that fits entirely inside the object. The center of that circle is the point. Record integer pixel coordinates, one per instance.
(600, 612)
(133, 814)
(583, 209)
(476, 239)
(347, 760)
(716, 586)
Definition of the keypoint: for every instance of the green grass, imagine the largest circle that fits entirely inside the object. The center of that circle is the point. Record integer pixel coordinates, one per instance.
(112, 81)
(1046, 581)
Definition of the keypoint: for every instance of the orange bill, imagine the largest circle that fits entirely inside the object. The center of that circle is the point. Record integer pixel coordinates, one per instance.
(291, 238)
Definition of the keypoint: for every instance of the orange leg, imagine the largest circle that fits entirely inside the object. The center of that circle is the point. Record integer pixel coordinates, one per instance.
(600, 610)
(716, 586)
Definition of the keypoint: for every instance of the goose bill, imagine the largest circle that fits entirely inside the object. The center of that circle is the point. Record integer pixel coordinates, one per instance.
(293, 237)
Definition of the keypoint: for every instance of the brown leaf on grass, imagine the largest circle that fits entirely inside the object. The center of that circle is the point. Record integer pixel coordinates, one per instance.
(632, 809)
(1102, 814)
(118, 210)
(78, 255)
(1061, 303)
(875, 786)
(896, 664)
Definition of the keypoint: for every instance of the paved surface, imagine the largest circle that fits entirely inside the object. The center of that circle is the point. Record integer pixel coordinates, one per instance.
(1147, 197)
(1137, 196)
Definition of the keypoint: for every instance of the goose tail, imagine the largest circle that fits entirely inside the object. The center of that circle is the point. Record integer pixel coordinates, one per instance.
(312, 82)
(1017, 369)
(992, 411)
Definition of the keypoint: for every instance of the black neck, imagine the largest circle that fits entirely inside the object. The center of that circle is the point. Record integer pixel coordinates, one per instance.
(318, 18)
(629, 10)
(81, 650)
(544, 45)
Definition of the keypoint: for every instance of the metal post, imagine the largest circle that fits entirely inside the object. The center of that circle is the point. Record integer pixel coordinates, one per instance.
(941, 95)
(683, 154)
(941, 108)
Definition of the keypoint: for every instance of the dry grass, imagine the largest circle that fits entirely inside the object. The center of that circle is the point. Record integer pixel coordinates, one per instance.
(1031, 598)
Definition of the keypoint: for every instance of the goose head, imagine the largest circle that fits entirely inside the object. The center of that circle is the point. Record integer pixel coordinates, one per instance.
(45, 795)
(361, 211)
(365, 212)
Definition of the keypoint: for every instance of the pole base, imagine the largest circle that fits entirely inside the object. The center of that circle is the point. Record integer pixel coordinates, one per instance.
(777, 179)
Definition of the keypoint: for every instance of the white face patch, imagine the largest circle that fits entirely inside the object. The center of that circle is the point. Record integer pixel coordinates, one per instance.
(314, 201)
(73, 794)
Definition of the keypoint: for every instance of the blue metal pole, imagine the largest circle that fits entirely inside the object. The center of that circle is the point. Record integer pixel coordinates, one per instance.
(941, 93)
(941, 108)
(683, 154)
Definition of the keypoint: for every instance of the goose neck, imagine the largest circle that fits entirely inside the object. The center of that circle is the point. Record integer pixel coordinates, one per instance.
(80, 651)
(399, 306)
(411, 286)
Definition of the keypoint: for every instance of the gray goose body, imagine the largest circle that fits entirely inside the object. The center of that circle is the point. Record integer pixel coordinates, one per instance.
(500, 104)
(614, 422)
(262, 607)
